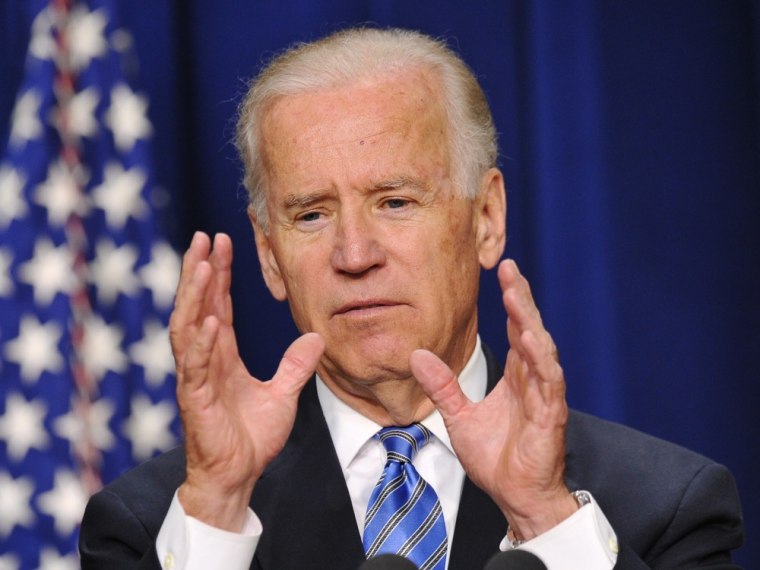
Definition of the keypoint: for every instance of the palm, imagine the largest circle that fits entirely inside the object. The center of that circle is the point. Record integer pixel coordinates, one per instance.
(234, 424)
(511, 444)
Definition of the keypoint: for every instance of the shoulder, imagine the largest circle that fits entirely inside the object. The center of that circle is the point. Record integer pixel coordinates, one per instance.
(622, 448)
(652, 491)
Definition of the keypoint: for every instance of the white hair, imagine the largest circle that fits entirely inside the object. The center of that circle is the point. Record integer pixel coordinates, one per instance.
(357, 54)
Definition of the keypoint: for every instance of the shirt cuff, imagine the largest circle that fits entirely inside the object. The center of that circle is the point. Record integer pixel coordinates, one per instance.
(583, 540)
(185, 543)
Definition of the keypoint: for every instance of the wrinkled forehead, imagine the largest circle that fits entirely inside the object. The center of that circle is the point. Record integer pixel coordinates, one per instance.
(403, 110)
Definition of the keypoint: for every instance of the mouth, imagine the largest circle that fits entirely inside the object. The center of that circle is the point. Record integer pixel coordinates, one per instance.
(365, 307)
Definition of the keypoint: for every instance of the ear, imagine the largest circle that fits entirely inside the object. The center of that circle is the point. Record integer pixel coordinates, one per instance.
(491, 218)
(269, 267)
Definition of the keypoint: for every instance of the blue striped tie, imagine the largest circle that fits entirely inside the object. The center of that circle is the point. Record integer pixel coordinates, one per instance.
(404, 516)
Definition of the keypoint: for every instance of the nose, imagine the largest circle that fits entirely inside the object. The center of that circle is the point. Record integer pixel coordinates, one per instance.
(357, 248)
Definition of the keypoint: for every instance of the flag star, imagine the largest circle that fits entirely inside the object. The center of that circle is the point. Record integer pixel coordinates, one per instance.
(161, 275)
(61, 193)
(22, 426)
(87, 40)
(25, 123)
(148, 427)
(101, 347)
(127, 117)
(12, 203)
(42, 44)
(153, 352)
(65, 502)
(14, 497)
(6, 285)
(9, 562)
(112, 270)
(78, 116)
(87, 424)
(49, 271)
(50, 559)
(120, 194)
(35, 348)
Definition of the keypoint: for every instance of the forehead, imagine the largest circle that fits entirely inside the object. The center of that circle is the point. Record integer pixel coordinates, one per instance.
(399, 114)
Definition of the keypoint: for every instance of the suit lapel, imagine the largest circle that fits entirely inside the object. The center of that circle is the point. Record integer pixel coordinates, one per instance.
(480, 525)
(303, 502)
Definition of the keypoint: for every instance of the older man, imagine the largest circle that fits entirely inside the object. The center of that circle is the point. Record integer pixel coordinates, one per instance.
(370, 162)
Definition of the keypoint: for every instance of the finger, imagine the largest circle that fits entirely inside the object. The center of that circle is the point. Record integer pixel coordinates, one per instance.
(198, 357)
(197, 251)
(299, 363)
(221, 263)
(438, 382)
(189, 304)
(521, 308)
(516, 294)
(543, 368)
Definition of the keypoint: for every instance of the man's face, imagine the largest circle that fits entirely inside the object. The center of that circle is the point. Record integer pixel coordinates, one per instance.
(368, 240)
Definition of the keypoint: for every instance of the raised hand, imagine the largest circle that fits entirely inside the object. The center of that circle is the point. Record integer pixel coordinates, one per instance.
(512, 443)
(234, 424)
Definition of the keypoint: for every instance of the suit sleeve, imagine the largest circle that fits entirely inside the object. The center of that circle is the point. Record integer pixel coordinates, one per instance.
(702, 531)
(112, 537)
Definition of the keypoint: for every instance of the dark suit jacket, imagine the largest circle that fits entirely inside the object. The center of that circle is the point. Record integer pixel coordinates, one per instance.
(670, 507)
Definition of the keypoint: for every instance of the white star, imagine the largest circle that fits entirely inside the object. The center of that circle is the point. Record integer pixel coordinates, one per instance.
(154, 353)
(22, 426)
(101, 347)
(9, 562)
(85, 31)
(35, 348)
(14, 497)
(49, 271)
(148, 427)
(87, 424)
(61, 193)
(78, 114)
(6, 285)
(65, 502)
(119, 194)
(127, 117)
(12, 203)
(25, 124)
(161, 275)
(112, 270)
(42, 44)
(50, 559)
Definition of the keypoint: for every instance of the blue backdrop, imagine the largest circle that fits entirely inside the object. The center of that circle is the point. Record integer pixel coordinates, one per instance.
(630, 136)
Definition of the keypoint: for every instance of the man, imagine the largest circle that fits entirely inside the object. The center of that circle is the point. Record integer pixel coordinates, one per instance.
(370, 162)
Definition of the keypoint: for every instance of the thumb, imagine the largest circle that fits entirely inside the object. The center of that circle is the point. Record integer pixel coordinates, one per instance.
(299, 362)
(438, 382)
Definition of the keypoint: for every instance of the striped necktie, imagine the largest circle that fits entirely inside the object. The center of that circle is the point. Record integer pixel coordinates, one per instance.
(404, 515)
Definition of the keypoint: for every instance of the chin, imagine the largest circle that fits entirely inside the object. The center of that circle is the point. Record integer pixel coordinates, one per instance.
(369, 365)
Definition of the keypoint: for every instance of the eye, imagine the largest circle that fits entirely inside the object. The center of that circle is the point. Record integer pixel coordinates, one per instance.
(395, 203)
(310, 217)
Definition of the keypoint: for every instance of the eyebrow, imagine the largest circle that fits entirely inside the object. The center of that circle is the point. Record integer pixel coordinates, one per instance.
(398, 182)
(303, 201)
(307, 200)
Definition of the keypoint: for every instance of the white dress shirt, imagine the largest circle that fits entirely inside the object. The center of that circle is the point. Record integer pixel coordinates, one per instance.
(584, 540)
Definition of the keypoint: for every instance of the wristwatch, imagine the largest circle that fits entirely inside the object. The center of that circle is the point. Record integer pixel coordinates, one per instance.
(583, 498)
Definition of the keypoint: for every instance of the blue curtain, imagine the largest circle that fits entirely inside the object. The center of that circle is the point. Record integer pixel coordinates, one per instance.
(630, 137)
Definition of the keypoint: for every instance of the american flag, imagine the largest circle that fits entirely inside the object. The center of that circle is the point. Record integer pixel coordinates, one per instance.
(86, 285)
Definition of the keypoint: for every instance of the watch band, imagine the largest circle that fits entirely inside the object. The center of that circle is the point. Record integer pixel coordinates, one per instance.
(582, 498)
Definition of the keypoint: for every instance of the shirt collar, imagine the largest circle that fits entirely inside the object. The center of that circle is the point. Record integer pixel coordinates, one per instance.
(350, 430)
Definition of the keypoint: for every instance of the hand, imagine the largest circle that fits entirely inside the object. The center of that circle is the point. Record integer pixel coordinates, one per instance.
(512, 443)
(234, 424)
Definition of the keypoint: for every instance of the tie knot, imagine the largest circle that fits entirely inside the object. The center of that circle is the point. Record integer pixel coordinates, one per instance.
(403, 443)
